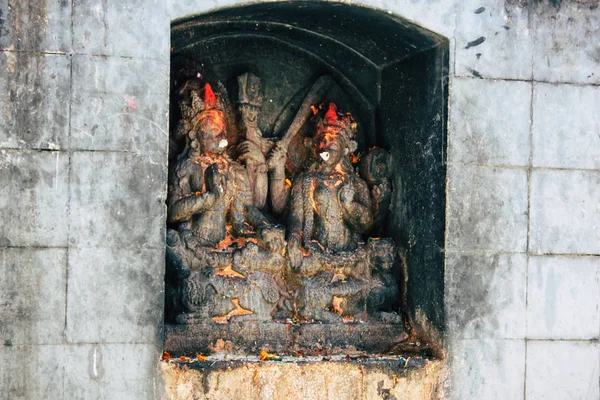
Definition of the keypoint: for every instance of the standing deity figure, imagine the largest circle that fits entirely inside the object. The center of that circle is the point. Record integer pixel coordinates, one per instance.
(251, 151)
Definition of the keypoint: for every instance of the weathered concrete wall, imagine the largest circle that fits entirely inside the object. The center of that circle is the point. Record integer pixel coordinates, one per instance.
(83, 136)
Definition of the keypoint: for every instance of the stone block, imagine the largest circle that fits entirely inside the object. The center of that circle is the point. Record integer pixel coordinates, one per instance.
(564, 212)
(34, 96)
(493, 39)
(33, 372)
(120, 104)
(485, 295)
(566, 41)
(489, 122)
(33, 295)
(35, 25)
(566, 123)
(112, 371)
(118, 200)
(563, 297)
(34, 198)
(115, 295)
(486, 369)
(487, 209)
(137, 28)
(92, 371)
(560, 370)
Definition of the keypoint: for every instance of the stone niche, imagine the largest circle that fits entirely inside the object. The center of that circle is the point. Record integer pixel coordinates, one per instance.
(275, 106)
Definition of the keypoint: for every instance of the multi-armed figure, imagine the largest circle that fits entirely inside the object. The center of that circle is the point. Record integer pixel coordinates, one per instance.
(330, 208)
(211, 205)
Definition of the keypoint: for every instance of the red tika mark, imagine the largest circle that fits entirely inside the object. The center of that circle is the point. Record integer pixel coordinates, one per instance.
(209, 96)
(331, 115)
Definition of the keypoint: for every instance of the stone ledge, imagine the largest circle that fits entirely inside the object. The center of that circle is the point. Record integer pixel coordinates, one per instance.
(309, 339)
(304, 378)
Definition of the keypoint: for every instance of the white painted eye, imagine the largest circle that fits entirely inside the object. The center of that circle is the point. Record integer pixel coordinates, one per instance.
(324, 155)
(223, 143)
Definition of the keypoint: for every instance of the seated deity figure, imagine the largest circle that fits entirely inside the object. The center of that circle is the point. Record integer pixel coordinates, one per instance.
(342, 277)
(330, 204)
(211, 204)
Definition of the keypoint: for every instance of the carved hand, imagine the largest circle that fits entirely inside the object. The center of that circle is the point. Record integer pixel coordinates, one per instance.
(277, 158)
(243, 229)
(379, 192)
(250, 152)
(216, 182)
(273, 237)
(294, 252)
(346, 193)
(266, 145)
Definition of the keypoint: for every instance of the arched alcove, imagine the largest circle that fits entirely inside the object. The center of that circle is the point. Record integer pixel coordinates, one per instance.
(389, 73)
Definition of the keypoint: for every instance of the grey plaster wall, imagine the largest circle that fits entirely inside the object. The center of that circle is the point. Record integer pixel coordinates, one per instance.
(83, 144)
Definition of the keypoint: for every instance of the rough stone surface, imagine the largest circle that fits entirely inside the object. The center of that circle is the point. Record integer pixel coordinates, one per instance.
(487, 369)
(34, 94)
(485, 295)
(111, 27)
(34, 198)
(493, 39)
(563, 298)
(566, 39)
(131, 310)
(114, 94)
(565, 212)
(117, 199)
(32, 293)
(478, 135)
(562, 370)
(565, 135)
(488, 209)
(35, 25)
(301, 380)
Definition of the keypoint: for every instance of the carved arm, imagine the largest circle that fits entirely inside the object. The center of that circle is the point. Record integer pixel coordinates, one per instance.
(356, 202)
(184, 208)
(279, 188)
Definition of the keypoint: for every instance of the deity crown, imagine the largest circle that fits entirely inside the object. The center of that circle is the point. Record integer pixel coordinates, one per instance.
(334, 121)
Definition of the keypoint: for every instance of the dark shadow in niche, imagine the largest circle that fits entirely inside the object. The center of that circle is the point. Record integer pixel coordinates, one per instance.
(391, 76)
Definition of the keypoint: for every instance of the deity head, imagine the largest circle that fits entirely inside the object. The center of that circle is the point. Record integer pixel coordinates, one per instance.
(210, 132)
(334, 137)
(250, 99)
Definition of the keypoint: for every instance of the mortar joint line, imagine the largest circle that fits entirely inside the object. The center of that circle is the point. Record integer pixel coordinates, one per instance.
(529, 171)
(69, 179)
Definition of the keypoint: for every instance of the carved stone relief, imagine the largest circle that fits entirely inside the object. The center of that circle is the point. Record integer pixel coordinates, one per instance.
(279, 229)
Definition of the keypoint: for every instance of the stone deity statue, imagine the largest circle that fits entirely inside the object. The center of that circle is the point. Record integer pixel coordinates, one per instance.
(330, 208)
(222, 241)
